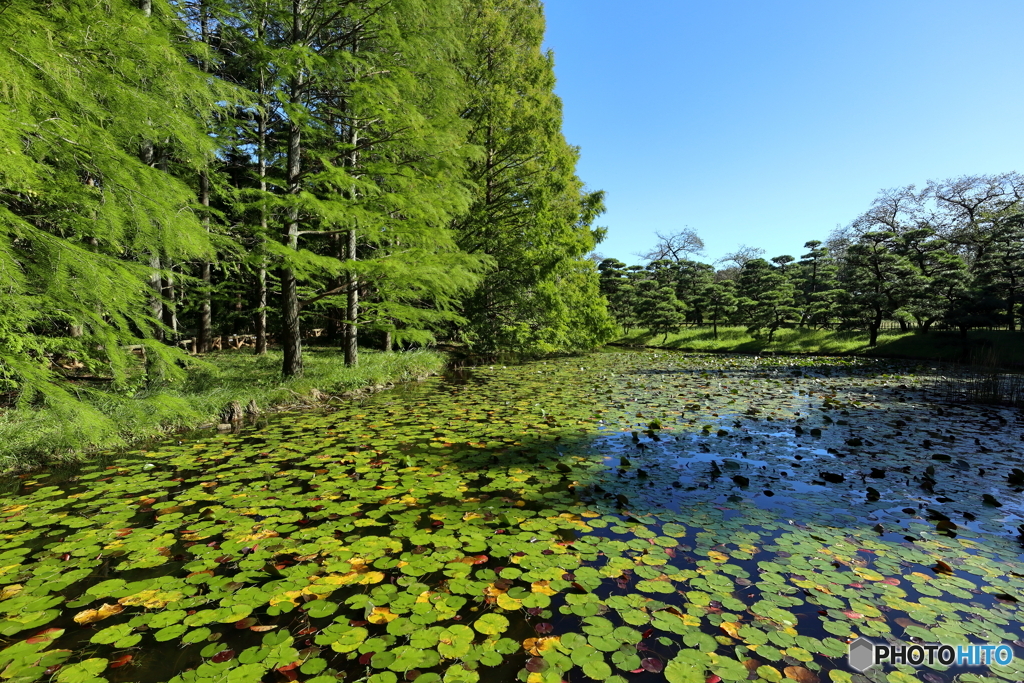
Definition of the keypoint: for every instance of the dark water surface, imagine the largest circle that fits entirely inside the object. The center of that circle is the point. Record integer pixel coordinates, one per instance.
(637, 517)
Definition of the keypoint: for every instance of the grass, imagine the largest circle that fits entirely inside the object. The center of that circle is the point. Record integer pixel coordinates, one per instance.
(35, 436)
(982, 347)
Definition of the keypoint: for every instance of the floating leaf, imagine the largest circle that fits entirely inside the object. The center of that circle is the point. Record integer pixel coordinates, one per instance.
(491, 624)
(800, 674)
(91, 616)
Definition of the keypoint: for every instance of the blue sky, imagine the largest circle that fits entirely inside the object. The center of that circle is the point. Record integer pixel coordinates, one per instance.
(770, 123)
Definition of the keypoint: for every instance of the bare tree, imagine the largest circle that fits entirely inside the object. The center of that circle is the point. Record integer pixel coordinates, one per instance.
(676, 247)
(895, 210)
(964, 199)
(742, 254)
(965, 202)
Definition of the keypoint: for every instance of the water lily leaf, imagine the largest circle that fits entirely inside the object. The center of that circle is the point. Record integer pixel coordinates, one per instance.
(83, 672)
(800, 674)
(381, 615)
(90, 616)
(196, 636)
(686, 667)
(457, 673)
(349, 640)
(491, 624)
(597, 669)
(455, 641)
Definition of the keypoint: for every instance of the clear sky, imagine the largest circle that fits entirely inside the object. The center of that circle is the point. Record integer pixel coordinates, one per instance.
(769, 123)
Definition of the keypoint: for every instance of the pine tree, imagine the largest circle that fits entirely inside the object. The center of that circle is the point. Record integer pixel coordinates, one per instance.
(659, 309)
(1000, 270)
(817, 287)
(694, 282)
(876, 281)
(765, 296)
(721, 303)
(941, 276)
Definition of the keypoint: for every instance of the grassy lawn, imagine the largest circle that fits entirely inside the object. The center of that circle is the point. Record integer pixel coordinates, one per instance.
(32, 436)
(984, 347)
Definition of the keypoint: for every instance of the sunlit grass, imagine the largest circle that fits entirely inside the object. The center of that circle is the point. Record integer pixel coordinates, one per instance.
(35, 435)
(982, 346)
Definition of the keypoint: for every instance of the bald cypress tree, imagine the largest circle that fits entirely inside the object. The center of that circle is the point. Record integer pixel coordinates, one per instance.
(89, 90)
(531, 215)
(366, 153)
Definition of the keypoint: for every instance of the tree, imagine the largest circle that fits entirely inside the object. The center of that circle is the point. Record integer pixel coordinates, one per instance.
(876, 281)
(765, 297)
(531, 217)
(618, 289)
(742, 255)
(659, 309)
(817, 287)
(1000, 270)
(368, 170)
(721, 303)
(675, 247)
(83, 207)
(694, 282)
(941, 276)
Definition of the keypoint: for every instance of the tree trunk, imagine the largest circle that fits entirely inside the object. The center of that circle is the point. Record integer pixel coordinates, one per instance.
(147, 155)
(204, 331)
(387, 341)
(261, 273)
(352, 312)
(261, 311)
(156, 304)
(291, 334)
(873, 328)
(171, 309)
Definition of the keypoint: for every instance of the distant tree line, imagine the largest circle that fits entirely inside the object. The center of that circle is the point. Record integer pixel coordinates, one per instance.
(387, 171)
(950, 254)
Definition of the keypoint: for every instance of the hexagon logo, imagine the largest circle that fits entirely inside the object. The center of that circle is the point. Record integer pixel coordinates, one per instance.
(861, 655)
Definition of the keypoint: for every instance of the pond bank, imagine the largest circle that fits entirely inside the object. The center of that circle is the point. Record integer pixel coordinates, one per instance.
(983, 347)
(31, 437)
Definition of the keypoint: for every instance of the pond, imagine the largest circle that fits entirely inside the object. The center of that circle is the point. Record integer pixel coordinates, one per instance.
(639, 517)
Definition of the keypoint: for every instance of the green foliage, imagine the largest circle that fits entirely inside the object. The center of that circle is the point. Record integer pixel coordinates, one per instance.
(79, 211)
(817, 285)
(1002, 346)
(530, 215)
(659, 309)
(765, 297)
(618, 285)
(250, 143)
(877, 281)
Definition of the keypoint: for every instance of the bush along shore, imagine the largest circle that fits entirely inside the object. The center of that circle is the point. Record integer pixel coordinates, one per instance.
(997, 348)
(217, 389)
